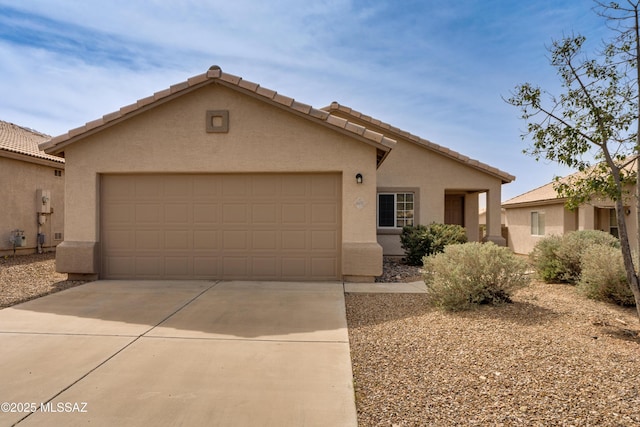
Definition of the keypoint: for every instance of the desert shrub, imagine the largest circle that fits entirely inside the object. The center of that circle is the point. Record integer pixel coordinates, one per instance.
(574, 245)
(470, 274)
(423, 240)
(604, 277)
(544, 258)
(558, 259)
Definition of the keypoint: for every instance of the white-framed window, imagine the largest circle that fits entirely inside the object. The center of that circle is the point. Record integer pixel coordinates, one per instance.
(537, 223)
(395, 210)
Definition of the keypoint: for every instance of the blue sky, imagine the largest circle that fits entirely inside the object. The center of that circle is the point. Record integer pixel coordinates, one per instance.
(438, 69)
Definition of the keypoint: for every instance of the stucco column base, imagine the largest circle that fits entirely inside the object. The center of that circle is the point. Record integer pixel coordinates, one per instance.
(77, 259)
(498, 240)
(361, 261)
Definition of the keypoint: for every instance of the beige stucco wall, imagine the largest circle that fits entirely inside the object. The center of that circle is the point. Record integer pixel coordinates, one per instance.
(518, 221)
(560, 220)
(19, 181)
(409, 165)
(261, 138)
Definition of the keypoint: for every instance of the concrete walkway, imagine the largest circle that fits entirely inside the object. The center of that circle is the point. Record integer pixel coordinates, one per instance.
(178, 353)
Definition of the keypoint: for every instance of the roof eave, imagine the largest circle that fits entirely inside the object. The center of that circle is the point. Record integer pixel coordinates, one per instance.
(57, 144)
(58, 164)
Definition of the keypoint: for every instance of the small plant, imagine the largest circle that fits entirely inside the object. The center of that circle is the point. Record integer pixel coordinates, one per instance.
(467, 275)
(544, 258)
(604, 277)
(423, 240)
(559, 259)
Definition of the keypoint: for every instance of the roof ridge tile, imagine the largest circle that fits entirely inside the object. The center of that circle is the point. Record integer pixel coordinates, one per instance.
(216, 73)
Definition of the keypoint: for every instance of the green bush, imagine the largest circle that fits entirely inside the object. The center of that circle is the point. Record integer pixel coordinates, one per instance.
(467, 275)
(558, 259)
(544, 258)
(604, 277)
(423, 240)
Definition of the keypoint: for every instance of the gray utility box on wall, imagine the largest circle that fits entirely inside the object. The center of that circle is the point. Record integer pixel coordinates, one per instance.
(18, 239)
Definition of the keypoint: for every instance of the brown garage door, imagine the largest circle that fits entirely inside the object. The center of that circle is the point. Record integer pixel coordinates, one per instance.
(231, 226)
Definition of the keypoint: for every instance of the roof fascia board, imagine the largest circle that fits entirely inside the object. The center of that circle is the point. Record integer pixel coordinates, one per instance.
(535, 203)
(51, 148)
(32, 159)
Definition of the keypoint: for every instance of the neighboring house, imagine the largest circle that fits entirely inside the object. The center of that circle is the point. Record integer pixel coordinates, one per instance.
(28, 175)
(541, 212)
(220, 178)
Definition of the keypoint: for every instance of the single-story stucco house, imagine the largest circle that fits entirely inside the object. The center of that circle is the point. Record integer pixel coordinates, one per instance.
(542, 212)
(31, 194)
(219, 178)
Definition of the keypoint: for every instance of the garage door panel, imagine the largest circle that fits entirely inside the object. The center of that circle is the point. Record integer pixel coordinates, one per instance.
(294, 267)
(234, 240)
(324, 186)
(324, 240)
(294, 213)
(120, 213)
(264, 240)
(119, 266)
(118, 240)
(323, 267)
(324, 213)
(178, 188)
(253, 226)
(206, 267)
(148, 187)
(235, 186)
(148, 240)
(206, 240)
(235, 213)
(205, 188)
(148, 213)
(264, 213)
(294, 239)
(235, 267)
(205, 213)
(177, 240)
(177, 266)
(149, 266)
(265, 187)
(265, 267)
(177, 214)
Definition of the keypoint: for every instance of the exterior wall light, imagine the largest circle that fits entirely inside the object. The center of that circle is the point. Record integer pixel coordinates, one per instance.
(359, 178)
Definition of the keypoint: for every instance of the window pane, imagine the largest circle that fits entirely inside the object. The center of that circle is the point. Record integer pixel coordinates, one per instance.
(537, 223)
(386, 210)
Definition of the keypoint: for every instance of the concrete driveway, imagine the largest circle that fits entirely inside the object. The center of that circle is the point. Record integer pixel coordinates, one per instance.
(178, 353)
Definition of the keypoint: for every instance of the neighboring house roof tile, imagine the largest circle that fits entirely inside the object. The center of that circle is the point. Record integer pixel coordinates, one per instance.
(396, 132)
(546, 194)
(543, 194)
(21, 140)
(215, 74)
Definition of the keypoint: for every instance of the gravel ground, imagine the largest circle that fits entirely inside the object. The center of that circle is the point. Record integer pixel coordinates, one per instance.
(26, 277)
(394, 271)
(552, 358)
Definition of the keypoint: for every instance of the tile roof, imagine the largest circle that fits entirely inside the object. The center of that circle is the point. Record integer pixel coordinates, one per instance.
(543, 194)
(335, 107)
(21, 140)
(215, 74)
(547, 194)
